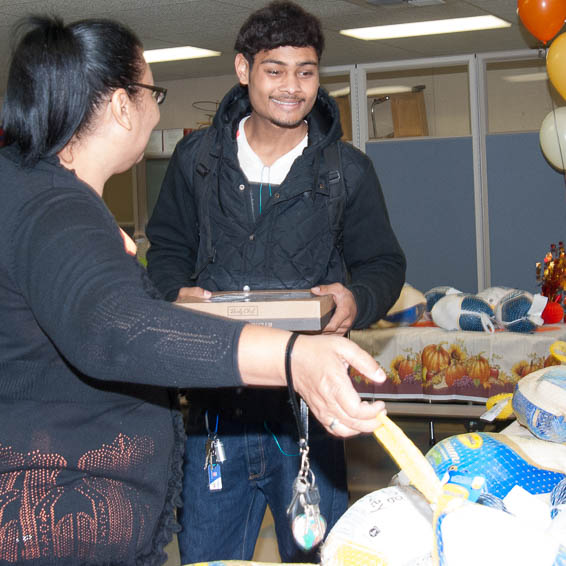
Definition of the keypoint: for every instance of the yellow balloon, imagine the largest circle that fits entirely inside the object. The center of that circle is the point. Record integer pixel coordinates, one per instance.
(553, 138)
(556, 64)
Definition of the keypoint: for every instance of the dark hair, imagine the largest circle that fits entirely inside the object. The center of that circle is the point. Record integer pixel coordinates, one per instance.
(279, 24)
(58, 76)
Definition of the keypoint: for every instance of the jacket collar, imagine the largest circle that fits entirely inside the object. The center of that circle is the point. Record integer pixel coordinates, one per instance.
(323, 120)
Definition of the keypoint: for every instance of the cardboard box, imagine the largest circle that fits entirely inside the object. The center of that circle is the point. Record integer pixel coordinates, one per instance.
(289, 309)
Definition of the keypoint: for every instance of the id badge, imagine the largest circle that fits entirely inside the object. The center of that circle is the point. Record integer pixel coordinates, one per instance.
(214, 478)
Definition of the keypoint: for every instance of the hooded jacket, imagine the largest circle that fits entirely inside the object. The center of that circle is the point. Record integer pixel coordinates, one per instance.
(209, 233)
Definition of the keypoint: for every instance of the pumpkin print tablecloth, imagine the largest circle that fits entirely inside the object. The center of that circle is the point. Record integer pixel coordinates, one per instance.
(424, 362)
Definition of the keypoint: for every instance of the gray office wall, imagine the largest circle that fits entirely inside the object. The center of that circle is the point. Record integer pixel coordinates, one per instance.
(527, 208)
(428, 186)
(429, 189)
(155, 172)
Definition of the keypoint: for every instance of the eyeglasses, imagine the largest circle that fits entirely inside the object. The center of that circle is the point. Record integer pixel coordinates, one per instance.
(158, 93)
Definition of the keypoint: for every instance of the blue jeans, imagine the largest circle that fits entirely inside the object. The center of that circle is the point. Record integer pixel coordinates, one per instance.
(225, 524)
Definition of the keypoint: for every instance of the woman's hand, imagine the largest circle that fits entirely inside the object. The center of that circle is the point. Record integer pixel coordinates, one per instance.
(319, 366)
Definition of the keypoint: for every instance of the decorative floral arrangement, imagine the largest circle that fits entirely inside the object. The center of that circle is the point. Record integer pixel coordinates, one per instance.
(551, 274)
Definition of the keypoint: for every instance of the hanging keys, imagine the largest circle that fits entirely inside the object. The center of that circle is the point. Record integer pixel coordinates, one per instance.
(212, 465)
(214, 445)
(307, 523)
(208, 453)
(300, 487)
(218, 448)
(215, 455)
(312, 495)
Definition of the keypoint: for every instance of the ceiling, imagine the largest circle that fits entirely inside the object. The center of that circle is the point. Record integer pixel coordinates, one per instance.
(213, 24)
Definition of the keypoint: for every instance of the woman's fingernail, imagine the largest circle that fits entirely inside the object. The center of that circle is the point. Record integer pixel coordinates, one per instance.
(379, 376)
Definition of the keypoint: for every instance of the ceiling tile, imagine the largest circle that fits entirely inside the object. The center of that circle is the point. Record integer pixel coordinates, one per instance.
(213, 24)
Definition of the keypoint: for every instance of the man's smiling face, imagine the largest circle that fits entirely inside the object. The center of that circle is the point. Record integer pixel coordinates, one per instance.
(282, 84)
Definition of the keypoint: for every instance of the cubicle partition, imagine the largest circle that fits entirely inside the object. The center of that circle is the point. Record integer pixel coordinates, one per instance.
(527, 208)
(477, 210)
(429, 188)
(428, 185)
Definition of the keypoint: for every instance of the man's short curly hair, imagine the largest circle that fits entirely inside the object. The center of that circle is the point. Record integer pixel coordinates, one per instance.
(279, 24)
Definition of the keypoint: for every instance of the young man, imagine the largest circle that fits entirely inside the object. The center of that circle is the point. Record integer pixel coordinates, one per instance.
(253, 202)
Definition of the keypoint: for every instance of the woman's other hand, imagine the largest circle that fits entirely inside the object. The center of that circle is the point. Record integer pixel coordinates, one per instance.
(319, 367)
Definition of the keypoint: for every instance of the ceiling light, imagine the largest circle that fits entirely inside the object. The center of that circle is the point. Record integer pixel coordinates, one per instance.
(432, 27)
(374, 91)
(420, 3)
(393, 89)
(177, 54)
(410, 2)
(527, 77)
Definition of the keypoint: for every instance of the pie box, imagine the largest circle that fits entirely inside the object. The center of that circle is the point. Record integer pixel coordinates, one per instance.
(288, 309)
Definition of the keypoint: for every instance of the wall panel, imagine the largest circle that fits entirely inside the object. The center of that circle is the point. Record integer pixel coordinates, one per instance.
(429, 190)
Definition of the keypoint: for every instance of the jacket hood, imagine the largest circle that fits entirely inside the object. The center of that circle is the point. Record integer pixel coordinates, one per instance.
(323, 119)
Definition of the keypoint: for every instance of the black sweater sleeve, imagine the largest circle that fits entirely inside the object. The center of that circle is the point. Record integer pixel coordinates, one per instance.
(88, 297)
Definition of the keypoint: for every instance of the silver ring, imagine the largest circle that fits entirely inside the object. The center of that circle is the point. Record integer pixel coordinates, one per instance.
(333, 423)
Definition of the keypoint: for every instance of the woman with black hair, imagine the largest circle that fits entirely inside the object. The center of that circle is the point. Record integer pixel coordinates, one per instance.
(90, 356)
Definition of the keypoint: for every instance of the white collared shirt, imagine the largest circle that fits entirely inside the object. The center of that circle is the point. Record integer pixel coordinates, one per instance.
(253, 167)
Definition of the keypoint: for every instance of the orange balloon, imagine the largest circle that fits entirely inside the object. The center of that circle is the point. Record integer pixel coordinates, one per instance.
(543, 18)
(556, 64)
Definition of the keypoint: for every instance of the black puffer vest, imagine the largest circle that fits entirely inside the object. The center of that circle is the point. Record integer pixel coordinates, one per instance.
(297, 241)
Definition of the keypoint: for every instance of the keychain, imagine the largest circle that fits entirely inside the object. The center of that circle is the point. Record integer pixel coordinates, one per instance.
(307, 523)
(215, 456)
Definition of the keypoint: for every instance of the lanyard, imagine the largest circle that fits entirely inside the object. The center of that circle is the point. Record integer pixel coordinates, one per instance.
(301, 414)
(208, 428)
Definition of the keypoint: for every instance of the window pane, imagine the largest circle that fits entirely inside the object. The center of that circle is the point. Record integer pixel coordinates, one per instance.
(418, 102)
(519, 96)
